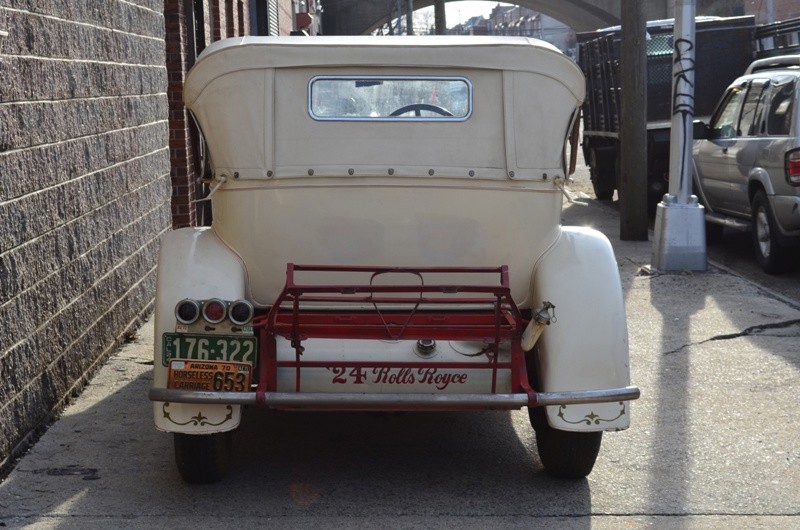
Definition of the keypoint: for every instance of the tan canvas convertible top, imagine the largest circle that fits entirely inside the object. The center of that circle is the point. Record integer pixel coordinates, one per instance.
(497, 53)
(250, 97)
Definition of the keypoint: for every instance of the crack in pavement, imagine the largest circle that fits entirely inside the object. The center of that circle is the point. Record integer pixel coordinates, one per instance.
(752, 330)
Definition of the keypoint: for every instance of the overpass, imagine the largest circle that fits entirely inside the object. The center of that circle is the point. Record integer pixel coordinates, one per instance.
(360, 17)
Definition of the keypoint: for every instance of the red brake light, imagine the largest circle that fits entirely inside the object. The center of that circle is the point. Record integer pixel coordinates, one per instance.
(793, 167)
(214, 311)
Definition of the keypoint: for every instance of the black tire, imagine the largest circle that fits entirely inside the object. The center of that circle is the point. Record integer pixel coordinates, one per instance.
(564, 454)
(602, 183)
(203, 458)
(770, 254)
(714, 233)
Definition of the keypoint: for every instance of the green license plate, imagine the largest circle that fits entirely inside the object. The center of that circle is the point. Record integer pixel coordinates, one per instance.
(232, 348)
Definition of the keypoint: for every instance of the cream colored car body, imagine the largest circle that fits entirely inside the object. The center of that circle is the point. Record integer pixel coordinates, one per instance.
(480, 189)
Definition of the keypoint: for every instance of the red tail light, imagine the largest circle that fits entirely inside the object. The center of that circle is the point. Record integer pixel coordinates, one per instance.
(214, 311)
(793, 167)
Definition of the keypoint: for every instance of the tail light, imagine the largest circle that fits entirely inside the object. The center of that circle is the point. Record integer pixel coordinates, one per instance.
(187, 311)
(214, 311)
(793, 167)
(240, 312)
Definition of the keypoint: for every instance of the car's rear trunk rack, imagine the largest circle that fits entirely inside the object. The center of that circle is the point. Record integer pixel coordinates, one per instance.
(477, 308)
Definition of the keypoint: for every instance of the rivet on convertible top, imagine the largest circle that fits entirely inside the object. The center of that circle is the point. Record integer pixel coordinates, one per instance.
(350, 171)
(310, 172)
(269, 173)
(511, 174)
(236, 175)
(471, 173)
(391, 171)
(430, 172)
(544, 176)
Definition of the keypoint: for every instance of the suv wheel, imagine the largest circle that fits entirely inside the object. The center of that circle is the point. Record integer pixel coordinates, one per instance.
(769, 253)
(203, 458)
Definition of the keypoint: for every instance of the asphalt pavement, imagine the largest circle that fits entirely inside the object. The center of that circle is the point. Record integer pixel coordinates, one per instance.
(714, 441)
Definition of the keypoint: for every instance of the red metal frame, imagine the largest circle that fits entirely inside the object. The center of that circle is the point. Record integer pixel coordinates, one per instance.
(438, 311)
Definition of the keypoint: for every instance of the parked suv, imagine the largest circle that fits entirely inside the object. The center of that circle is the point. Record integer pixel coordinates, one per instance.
(747, 160)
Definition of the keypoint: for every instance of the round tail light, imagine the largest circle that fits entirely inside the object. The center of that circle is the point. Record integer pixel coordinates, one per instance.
(187, 311)
(214, 311)
(240, 312)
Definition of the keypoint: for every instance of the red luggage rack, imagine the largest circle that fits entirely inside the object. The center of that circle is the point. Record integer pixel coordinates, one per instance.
(435, 311)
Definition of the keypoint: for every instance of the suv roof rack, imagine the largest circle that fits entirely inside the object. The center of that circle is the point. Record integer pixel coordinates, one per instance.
(771, 63)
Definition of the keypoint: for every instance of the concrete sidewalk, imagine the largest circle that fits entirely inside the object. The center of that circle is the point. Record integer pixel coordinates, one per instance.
(713, 442)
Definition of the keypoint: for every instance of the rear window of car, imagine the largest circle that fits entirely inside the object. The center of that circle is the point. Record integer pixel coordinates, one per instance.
(779, 119)
(389, 98)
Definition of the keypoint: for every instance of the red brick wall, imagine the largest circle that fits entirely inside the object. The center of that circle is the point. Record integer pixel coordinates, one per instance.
(222, 18)
(182, 171)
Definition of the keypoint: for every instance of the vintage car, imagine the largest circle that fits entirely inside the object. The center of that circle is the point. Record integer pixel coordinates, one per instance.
(386, 236)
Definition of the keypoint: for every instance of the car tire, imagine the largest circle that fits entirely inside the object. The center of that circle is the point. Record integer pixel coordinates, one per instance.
(769, 252)
(203, 458)
(564, 454)
(714, 233)
(602, 183)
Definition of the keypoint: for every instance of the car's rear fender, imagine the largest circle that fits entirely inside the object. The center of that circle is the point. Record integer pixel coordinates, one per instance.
(586, 348)
(193, 263)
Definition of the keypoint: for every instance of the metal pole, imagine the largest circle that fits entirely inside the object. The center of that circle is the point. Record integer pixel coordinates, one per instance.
(440, 17)
(410, 17)
(683, 64)
(680, 239)
(633, 133)
(399, 30)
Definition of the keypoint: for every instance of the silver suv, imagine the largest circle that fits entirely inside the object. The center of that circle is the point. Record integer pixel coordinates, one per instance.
(747, 160)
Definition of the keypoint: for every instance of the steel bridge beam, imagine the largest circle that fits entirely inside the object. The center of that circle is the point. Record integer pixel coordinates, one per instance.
(360, 17)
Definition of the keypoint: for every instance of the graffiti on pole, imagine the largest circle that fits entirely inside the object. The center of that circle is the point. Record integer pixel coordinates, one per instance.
(683, 96)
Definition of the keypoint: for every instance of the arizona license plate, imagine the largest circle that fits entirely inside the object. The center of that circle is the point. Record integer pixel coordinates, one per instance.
(209, 376)
(233, 348)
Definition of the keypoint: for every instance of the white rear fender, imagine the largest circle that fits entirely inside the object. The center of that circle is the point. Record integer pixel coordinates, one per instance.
(193, 263)
(586, 348)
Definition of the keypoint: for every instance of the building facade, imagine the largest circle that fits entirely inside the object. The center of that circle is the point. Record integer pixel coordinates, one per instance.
(84, 194)
(98, 158)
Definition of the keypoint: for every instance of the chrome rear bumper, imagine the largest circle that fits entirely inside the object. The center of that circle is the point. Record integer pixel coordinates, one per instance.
(349, 400)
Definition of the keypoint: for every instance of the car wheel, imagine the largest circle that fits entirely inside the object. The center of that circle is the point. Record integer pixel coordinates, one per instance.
(714, 233)
(769, 253)
(602, 183)
(203, 458)
(564, 454)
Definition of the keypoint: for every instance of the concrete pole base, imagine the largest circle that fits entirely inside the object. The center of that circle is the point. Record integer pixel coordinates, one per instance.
(680, 236)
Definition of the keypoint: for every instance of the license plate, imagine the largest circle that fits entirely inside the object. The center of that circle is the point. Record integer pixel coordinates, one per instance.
(209, 376)
(233, 348)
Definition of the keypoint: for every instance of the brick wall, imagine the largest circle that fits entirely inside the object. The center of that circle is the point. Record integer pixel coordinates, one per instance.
(84, 194)
(216, 19)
